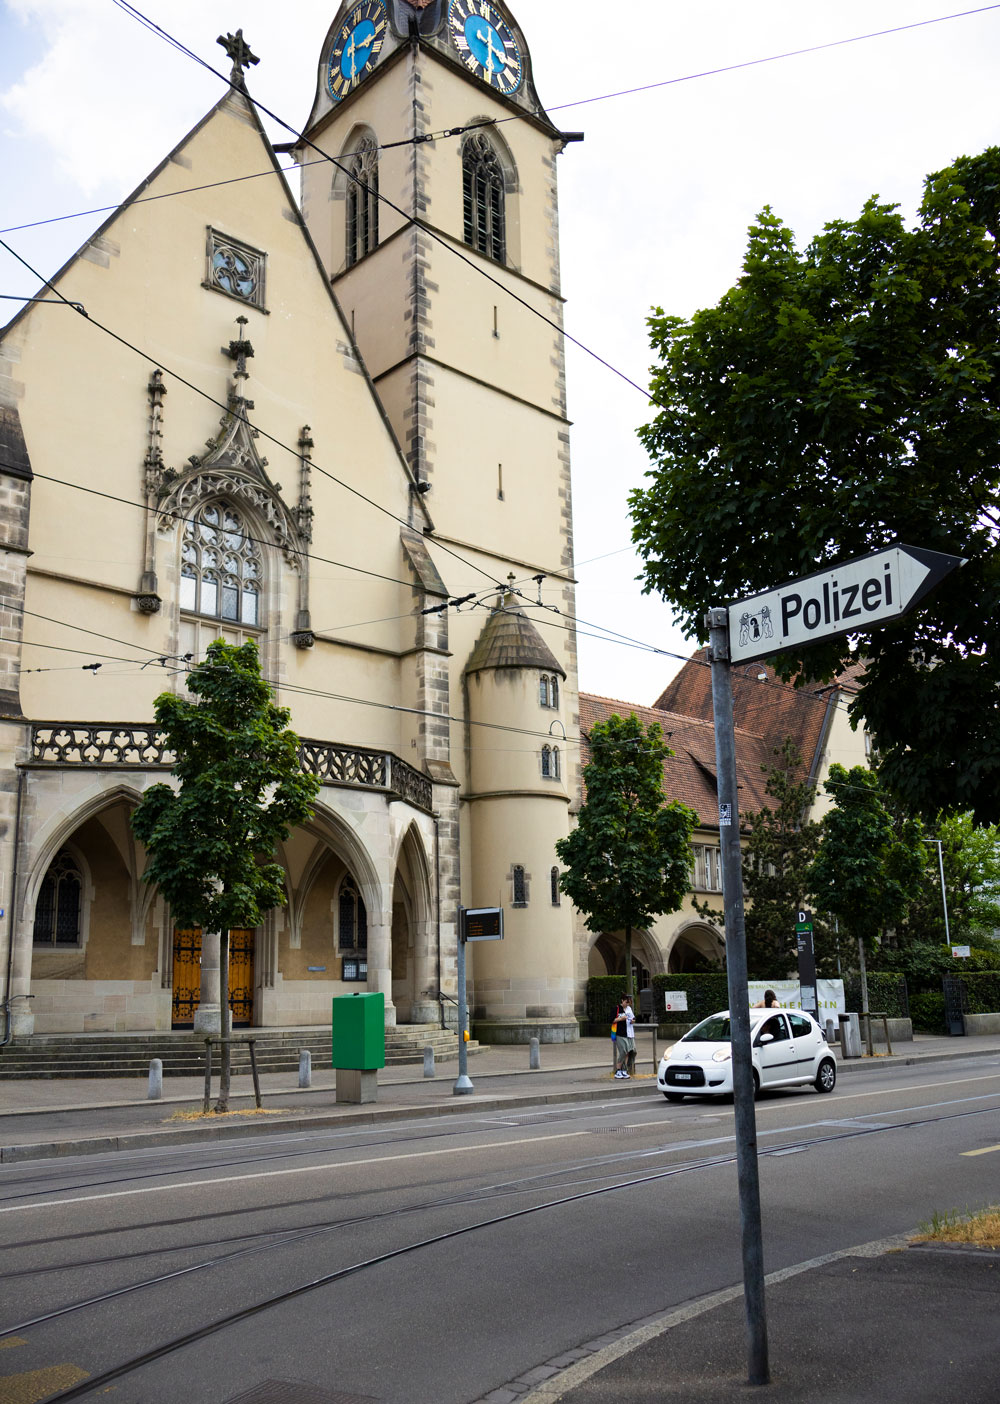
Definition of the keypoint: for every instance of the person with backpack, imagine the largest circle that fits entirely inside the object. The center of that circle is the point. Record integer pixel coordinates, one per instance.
(625, 1037)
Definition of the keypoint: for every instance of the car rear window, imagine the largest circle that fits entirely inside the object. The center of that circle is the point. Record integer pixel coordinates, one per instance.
(714, 1030)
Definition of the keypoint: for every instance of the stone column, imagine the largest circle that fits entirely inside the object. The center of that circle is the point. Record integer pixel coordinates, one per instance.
(208, 1015)
(380, 967)
(425, 1008)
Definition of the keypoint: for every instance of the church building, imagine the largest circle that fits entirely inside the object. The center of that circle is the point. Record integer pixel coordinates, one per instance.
(333, 422)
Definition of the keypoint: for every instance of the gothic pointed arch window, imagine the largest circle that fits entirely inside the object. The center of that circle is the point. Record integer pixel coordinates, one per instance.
(221, 566)
(483, 198)
(59, 908)
(362, 199)
(352, 918)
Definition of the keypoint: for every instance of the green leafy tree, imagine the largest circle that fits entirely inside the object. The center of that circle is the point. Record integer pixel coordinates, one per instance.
(777, 860)
(870, 865)
(240, 790)
(834, 401)
(629, 858)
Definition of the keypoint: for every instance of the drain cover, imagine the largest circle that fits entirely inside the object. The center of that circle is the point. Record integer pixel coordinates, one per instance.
(613, 1130)
(295, 1392)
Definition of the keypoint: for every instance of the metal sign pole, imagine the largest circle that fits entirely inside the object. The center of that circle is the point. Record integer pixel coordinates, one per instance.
(463, 1085)
(739, 999)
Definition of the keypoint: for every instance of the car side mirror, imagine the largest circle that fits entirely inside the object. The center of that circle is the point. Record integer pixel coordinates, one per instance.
(765, 1038)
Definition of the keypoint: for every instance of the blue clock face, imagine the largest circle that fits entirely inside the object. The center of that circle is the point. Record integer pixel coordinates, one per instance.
(485, 43)
(356, 47)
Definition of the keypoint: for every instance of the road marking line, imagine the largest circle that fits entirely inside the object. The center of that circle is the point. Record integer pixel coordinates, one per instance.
(985, 1151)
(293, 1170)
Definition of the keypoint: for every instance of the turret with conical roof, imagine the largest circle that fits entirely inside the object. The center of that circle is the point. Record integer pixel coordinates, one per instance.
(518, 805)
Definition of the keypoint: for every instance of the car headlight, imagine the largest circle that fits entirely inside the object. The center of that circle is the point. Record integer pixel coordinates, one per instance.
(668, 1050)
(722, 1055)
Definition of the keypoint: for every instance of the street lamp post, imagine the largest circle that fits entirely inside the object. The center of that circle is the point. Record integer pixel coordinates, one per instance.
(944, 897)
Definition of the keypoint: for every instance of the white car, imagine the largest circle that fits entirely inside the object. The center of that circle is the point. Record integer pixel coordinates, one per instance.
(788, 1048)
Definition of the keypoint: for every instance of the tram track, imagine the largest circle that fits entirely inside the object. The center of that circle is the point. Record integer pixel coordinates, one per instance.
(621, 1181)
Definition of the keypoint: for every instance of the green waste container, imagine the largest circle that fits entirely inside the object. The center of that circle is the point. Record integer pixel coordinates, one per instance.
(359, 1031)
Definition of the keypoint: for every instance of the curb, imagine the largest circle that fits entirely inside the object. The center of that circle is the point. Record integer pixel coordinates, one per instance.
(145, 1140)
(192, 1135)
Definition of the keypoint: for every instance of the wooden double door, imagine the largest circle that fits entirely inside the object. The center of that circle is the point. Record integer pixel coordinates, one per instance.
(187, 977)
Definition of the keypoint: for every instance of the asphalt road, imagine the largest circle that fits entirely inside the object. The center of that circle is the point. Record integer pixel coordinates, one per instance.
(432, 1262)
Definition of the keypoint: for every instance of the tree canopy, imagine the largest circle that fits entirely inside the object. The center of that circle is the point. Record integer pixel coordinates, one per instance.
(836, 400)
(629, 858)
(871, 863)
(211, 840)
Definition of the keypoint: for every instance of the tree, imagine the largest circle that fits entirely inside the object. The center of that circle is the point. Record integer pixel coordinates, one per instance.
(779, 853)
(240, 791)
(834, 401)
(629, 858)
(870, 865)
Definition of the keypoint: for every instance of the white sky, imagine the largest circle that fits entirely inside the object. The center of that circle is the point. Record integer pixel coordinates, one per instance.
(655, 203)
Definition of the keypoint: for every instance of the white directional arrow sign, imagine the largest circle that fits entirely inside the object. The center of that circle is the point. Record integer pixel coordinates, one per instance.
(844, 599)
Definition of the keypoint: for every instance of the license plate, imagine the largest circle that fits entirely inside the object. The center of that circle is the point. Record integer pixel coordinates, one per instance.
(682, 1077)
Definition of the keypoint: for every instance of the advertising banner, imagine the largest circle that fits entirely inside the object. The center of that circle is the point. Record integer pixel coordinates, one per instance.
(829, 995)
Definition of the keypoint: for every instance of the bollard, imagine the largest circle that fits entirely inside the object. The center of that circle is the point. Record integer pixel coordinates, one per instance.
(534, 1058)
(429, 1060)
(305, 1067)
(155, 1080)
(831, 1032)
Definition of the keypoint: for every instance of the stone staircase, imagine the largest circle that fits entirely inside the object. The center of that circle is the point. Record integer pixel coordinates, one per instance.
(183, 1053)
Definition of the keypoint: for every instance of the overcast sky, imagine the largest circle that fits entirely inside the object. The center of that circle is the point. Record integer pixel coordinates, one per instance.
(655, 203)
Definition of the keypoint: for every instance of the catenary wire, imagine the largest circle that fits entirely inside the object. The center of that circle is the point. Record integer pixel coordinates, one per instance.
(452, 132)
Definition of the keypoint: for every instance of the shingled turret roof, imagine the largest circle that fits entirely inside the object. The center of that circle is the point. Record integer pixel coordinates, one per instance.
(510, 640)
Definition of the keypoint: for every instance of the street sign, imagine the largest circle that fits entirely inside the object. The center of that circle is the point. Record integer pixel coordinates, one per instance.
(843, 599)
(675, 1000)
(483, 923)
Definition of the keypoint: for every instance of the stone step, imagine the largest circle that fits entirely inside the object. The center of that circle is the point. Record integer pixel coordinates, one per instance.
(70, 1056)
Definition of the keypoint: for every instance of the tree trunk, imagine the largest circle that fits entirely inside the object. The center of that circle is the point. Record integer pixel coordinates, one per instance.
(225, 1023)
(628, 965)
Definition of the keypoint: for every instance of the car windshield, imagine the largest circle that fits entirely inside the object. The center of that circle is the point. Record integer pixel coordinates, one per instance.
(713, 1030)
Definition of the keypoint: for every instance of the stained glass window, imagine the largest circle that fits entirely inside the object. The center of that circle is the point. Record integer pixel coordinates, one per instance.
(221, 571)
(58, 908)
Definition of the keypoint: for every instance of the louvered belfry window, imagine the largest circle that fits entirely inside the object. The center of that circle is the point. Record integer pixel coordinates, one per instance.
(483, 193)
(362, 201)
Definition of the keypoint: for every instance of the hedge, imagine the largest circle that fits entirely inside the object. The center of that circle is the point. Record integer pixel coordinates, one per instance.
(887, 993)
(981, 992)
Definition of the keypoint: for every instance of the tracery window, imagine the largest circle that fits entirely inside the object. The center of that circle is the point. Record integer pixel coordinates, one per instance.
(550, 762)
(483, 198)
(548, 690)
(362, 201)
(520, 885)
(59, 906)
(352, 919)
(235, 268)
(221, 570)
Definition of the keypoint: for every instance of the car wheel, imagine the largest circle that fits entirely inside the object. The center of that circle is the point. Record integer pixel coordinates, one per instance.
(756, 1083)
(826, 1077)
(674, 1096)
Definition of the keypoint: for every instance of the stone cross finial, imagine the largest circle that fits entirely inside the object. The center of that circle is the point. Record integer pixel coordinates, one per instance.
(239, 51)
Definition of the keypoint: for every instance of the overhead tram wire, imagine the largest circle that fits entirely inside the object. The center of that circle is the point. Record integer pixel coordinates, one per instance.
(452, 132)
(430, 233)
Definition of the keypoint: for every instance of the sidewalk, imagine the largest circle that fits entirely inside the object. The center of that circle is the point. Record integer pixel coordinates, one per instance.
(40, 1118)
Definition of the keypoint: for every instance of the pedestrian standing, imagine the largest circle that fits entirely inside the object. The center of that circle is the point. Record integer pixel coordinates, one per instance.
(625, 1036)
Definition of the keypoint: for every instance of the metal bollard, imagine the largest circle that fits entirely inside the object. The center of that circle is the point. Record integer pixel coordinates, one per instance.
(831, 1032)
(155, 1080)
(534, 1057)
(429, 1060)
(305, 1067)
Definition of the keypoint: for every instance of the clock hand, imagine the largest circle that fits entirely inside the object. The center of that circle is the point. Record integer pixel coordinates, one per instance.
(350, 52)
(485, 39)
(500, 53)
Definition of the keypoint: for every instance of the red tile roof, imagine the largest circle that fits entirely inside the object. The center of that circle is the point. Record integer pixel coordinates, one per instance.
(765, 711)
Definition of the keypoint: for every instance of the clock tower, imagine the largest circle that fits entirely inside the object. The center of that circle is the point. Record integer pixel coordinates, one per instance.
(436, 219)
